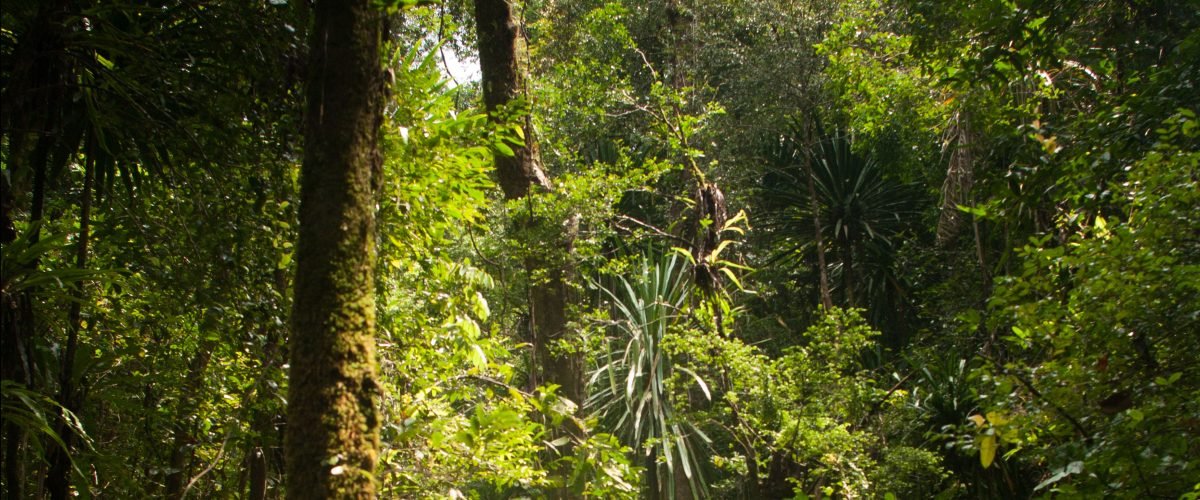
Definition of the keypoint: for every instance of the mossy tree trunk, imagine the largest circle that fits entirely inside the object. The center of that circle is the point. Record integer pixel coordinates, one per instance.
(332, 438)
(503, 59)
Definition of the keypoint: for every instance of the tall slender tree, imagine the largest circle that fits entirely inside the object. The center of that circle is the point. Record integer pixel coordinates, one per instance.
(503, 60)
(58, 480)
(332, 439)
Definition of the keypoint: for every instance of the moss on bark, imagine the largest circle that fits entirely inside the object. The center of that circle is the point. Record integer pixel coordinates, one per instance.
(332, 440)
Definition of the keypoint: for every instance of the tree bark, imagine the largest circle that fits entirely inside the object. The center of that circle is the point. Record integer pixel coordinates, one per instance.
(846, 248)
(818, 230)
(332, 438)
(58, 481)
(257, 465)
(503, 58)
(956, 188)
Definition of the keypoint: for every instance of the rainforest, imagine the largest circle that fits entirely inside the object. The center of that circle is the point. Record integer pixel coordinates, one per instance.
(644, 249)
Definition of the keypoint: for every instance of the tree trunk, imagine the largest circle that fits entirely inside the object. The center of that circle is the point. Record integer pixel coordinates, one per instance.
(258, 457)
(652, 480)
(956, 189)
(502, 59)
(332, 439)
(848, 282)
(257, 465)
(818, 230)
(190, 396)
(32, 103)
(58, 481)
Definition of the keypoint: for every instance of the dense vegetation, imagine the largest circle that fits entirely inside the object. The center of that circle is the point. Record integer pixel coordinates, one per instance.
(660, 249)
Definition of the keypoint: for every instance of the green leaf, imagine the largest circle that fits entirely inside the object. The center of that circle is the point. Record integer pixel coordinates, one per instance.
(987, 450)
(980, 212)
(732, 277)
(477, 357)
(1071, 468)
(285, 258)
(699, 381)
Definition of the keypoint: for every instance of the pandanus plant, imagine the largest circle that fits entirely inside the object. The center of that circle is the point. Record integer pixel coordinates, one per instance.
(629, 392)
(821, 186)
